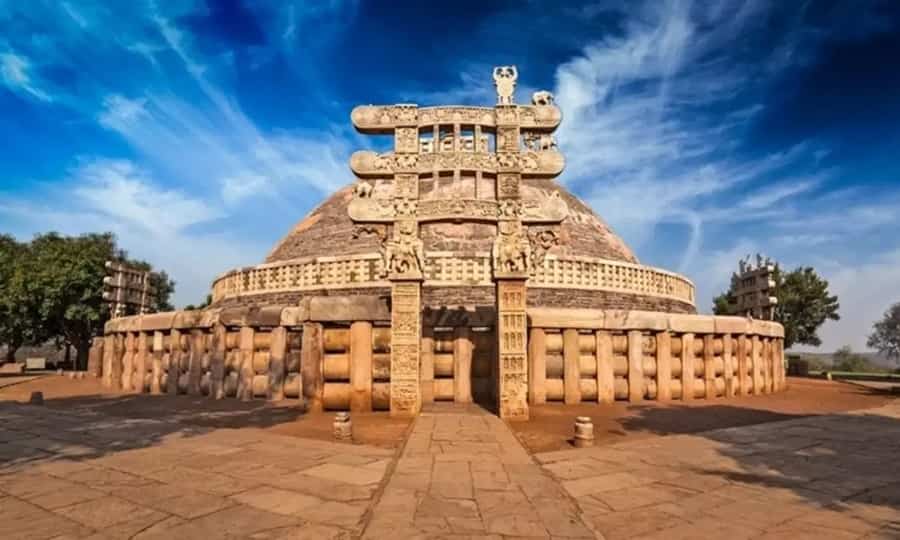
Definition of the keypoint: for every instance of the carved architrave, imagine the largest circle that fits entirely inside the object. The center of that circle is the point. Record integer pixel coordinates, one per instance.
(544, 164)
(512, 330)
(381, 210)
(382, 119)
(406, 308)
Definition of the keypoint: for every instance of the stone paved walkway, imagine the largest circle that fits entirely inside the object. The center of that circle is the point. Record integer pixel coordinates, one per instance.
(461, 474)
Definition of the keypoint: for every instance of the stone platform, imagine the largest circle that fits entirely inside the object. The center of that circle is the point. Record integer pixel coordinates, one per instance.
(460, 474)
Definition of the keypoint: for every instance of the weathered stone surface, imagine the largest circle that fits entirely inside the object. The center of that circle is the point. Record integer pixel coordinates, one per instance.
(359, 308)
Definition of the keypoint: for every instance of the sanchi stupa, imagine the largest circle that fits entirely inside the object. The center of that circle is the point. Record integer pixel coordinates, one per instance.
(455, 268)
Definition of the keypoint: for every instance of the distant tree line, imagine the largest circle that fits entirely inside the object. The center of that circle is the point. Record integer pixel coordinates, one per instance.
(51, 289)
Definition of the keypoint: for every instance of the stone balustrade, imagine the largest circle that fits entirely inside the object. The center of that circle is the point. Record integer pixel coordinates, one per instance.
(447, 269)
(333, 353)
(603, 356)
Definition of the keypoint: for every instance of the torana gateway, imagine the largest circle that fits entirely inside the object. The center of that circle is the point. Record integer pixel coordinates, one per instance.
(455, 268)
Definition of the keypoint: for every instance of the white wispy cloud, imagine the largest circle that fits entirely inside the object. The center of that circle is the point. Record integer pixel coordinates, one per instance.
(16, 72)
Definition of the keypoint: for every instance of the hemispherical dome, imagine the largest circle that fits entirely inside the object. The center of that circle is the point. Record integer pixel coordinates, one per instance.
(328, 229)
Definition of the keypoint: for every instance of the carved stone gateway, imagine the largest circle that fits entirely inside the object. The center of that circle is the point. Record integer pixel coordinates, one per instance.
(439, 153)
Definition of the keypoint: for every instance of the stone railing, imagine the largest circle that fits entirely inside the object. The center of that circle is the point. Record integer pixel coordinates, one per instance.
(603, 356)
(449, 270)
(334, 353)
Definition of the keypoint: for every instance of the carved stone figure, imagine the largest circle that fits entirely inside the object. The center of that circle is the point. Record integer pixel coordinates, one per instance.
(539, 142)
(505, 80)
(405, 253)
(542, 97)
(541, 241)
(363, 190)
(511, 250)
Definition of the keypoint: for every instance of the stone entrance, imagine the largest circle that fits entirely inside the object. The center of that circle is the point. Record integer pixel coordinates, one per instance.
(459, 364)
(437, 147)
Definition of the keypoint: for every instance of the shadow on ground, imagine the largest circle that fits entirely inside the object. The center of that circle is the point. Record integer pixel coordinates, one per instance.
(842, 462)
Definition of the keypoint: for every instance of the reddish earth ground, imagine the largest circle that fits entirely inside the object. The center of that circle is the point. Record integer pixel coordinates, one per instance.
(284, 418)
(551, 425)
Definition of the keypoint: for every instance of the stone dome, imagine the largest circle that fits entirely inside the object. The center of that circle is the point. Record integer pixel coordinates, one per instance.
(325, 253)
(328, 229)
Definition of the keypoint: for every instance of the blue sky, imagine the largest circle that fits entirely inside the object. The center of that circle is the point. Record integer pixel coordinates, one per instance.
(199, 132)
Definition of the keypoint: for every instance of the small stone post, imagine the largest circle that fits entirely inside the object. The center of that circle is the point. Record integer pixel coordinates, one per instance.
(584, 432)
(343, 428)
(709, 365)
(756, 365)
(217, 350)
(728, 362)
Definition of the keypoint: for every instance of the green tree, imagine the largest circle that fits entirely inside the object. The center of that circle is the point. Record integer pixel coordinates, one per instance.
(885, 337)
(202, 305)
(722, 303)
(804, 304)
(18, 312)
(66, 275)
(844, 359)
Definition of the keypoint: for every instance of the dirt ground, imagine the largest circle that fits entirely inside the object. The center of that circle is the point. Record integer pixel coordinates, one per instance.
(551, 425)
(284, 418)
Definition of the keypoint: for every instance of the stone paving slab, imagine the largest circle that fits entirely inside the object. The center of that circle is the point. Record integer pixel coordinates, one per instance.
(833, 476)
(80, 475)
(461, 474)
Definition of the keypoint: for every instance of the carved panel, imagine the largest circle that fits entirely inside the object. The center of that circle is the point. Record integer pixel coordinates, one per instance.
(380, 119)
(406, 140)
(512, 329)
(380, 210)
(406, 308)
(508, 185)
(543, 164)
(406, 185)
(449, 269)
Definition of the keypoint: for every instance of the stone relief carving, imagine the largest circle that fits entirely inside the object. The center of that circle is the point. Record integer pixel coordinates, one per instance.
(542, 98)
(363, 190)
(550, 209)
(380, 119)
(405, 253)
(541, 241)
(505, 80)
(544, 163)
(539, 142)
(511, 251)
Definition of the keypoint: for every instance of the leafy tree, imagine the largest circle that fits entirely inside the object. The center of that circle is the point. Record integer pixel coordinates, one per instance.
(885, 337)
(203, 305)
(722, 303)
(18, 316)
(844, 359)
(804, 305)
(65, 275)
